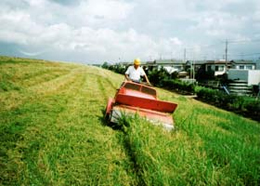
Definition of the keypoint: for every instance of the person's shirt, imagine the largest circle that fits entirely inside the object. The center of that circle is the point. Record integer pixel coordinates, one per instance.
(135, 74)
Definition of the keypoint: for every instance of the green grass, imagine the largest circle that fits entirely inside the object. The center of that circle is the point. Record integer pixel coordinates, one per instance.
(53, 133)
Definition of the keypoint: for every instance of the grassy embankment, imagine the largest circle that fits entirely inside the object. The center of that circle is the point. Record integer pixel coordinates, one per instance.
(53, 133)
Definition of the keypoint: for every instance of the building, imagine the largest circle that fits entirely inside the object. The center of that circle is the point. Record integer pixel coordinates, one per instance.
(257, 64)
(171, 64)
(218, 67)
(243, 65)
(251, 77)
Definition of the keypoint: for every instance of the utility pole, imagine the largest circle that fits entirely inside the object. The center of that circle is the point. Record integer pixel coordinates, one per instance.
(190, 69)
(226, 52)
(194, 68)
(184, 56)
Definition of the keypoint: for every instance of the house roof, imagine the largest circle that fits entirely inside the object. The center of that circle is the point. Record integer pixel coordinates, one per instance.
(150, 62)
(196, 62)
(217, 62)
(243, 62)
(169, 61)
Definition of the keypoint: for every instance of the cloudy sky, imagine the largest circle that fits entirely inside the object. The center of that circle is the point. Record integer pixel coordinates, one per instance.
(94, 31)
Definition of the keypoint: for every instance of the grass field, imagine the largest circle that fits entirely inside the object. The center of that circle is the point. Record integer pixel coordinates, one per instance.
(52, 132)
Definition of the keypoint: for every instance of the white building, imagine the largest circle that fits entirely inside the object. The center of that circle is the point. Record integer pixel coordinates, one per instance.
(243, 65)
(221, 67)
(218, 67)
(252, 77)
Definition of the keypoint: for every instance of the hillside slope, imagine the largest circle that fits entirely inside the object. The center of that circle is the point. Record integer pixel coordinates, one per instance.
(53, 133)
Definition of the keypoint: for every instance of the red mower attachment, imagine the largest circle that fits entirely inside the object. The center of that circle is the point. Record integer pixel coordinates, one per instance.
(134, 98)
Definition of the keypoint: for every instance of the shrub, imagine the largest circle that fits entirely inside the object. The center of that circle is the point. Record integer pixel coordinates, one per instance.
(157, 77)
(245, 105)
(253, 109)
(178, 86)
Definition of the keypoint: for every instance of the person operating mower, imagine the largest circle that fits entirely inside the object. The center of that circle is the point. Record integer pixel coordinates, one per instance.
(135, 72)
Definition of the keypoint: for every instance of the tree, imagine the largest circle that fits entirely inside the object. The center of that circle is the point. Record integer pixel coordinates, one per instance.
(105, 65)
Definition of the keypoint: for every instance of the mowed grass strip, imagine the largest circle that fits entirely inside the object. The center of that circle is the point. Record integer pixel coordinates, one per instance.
(18, 74)
(58, 137)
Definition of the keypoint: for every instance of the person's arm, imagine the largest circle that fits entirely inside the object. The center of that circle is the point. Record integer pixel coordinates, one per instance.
(145, 76)
(127, 74)
(147, 80)
(127, 77)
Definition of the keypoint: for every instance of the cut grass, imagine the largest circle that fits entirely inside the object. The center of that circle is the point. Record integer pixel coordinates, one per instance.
(53, 133)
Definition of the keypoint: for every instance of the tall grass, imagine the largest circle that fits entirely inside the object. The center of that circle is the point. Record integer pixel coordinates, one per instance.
(53, 133)
(195, 154)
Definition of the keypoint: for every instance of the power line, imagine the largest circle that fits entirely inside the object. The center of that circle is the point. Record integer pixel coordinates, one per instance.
(202, 49)
(202, 46)
(250, 54)
(244, 41)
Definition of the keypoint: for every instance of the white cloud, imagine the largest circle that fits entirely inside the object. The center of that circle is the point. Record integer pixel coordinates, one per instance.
(256, 17)
(104, 42)
(36, 3)
(220, 25)
(112, 9)
(176, 41)
(100, 30)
